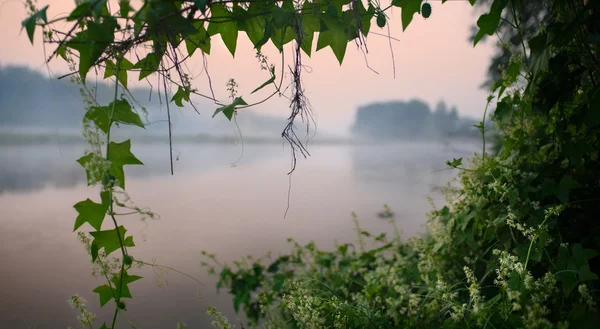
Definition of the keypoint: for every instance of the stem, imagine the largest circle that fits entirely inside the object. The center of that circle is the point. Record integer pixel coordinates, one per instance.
(170, 269)
(483, 126)
(518, 26)
(531, 244)
(111, 208)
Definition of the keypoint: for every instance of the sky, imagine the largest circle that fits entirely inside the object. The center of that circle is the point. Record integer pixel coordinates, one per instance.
(433, 60)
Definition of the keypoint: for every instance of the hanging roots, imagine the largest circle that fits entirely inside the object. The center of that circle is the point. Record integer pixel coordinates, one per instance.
(299, 104)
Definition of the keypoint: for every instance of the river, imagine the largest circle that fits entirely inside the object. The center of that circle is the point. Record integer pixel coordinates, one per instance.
(208, 204)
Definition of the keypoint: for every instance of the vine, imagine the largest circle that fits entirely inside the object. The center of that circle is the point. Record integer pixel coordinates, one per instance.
(157, 39)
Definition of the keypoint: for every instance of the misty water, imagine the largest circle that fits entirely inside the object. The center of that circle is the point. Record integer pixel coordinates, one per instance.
(208, 204)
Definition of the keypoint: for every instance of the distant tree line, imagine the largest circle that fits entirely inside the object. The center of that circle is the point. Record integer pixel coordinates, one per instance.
(411, 120)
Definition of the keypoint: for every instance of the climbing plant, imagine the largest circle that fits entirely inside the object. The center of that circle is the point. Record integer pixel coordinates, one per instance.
(516, 245)
(516, 241)
(121, 40)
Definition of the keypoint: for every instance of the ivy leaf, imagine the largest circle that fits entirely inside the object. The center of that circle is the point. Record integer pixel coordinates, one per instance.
(268, 33)
(200, 39)
(30, 22)
(310, 23)
(81, 11)
(254, 27)
(120, 155)
(180, 95)
(564, 188)
(568, 279)
(104, 326)
(488, 23)
(409, 9)
(225, 25)
(282, 37)
(111, 70)
(91, 212)
(455, 163)
(121, 113)
(266, 83)
(84, 160)
(585, 274)
(503, 112)
(201, 4)
(124, 8)
(127, 279)
(540, 55)
(229, 109)
(105, 292)
(335, 37)
(148, 65)
(109, 240)
(92, 43)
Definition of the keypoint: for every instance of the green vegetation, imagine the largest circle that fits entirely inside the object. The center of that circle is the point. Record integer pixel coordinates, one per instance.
(515, 247)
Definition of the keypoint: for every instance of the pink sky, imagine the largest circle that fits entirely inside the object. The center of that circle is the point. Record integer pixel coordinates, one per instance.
(434, 61)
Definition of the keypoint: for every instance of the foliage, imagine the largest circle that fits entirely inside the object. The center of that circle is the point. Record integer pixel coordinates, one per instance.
(515, 247)
(157, 38)
(517, 244)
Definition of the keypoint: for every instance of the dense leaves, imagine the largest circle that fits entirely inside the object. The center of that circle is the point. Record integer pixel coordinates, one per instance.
(517, 245)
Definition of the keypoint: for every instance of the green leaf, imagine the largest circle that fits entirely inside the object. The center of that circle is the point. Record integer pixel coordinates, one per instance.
(30, 22)
(409, 9)
(282, 37)
(568, 279)
(488, 23)
(336, 37)
(119, 155)
(310, 24)
(81, 11)
(283, 17)
(84, 160)
(111, 70)
(564, 188)
(222, 22)
(200, 39)
(268, 34)
(503, 112)
(105, 292)
(585, 274)
(104, 326)
(201, 4)
(266, 83)
(124, 8)
(540, 55)
(180, 95)
(229, 109)
(127, 279)
(92, 43)
(455, 163)
(121, 113)
(91, 212)
(148, 64)
(109, 240)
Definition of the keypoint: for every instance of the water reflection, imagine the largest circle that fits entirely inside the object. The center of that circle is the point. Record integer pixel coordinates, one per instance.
(26, 168)
(207, 205)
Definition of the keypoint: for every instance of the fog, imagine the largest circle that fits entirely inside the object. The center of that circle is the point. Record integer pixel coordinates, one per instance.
(229, 192)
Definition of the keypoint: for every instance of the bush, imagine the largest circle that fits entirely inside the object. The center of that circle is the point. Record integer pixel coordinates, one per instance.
(517, 244)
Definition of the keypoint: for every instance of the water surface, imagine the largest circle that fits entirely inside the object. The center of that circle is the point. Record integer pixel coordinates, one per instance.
(208, 204)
